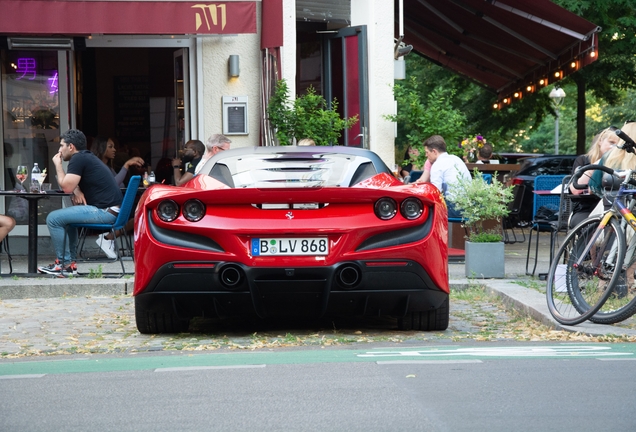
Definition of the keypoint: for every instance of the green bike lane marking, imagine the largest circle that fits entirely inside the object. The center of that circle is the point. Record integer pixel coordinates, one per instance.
(438, 354)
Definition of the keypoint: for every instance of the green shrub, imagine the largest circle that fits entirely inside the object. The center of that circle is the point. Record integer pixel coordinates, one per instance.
(306, 117)
(479, 201)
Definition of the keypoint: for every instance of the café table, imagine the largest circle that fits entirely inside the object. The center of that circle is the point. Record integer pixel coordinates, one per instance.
(33, 199)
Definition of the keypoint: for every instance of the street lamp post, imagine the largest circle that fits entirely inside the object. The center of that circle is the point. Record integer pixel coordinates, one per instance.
(557, 95)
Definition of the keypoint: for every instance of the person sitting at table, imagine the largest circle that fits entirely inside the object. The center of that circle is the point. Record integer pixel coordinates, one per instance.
(215, 144)
(410, 155)
(100, 195)
(7, 223)
(484, 155)
(192, 154)
(446, 170)
(601, 144)
(104, 149)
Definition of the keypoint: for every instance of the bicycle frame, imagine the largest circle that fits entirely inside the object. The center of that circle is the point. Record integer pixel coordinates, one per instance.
(618, 208)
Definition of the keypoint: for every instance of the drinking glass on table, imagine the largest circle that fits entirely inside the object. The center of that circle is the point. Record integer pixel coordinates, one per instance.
(21, 174)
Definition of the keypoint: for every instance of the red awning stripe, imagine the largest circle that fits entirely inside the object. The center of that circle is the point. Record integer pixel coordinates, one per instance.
(272, 24)
(36, 17)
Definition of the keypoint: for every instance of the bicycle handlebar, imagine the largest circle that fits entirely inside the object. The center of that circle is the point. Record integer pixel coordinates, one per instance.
(629, 145)
(579, 172)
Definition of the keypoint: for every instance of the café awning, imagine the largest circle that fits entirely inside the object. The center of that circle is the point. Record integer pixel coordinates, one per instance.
(86, 17)
(509, 46)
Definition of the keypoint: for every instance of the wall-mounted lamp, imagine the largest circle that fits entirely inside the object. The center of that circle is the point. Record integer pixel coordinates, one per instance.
(233, 66)
(530, 88)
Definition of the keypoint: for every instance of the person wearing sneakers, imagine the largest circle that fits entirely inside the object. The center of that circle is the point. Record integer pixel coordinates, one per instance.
(96, 196)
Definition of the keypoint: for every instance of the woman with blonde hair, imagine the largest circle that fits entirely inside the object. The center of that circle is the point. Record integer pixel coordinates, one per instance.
(618, 159)
(601, 144)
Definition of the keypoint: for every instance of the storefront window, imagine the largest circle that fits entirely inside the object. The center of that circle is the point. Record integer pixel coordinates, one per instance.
(30, 126)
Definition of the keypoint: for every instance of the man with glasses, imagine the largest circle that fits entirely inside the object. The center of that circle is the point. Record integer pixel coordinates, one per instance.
(97, 198)
(214, 145)
(192, 155)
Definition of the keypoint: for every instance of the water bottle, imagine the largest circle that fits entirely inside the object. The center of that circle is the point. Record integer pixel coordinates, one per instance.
(151, 177)
(35, 178)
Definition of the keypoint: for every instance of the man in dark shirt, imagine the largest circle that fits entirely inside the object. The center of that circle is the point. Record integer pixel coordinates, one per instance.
(95, 194)
(192, 154)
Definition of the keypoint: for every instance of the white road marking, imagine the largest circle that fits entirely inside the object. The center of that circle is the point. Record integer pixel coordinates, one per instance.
(617, 359)
(21, 376)
(396, 362)
(520, 351)
(191, 368)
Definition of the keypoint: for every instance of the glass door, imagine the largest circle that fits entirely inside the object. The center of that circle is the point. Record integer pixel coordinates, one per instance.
(31, 88)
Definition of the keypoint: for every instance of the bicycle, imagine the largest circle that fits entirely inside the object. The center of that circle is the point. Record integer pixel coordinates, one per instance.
(588, 278)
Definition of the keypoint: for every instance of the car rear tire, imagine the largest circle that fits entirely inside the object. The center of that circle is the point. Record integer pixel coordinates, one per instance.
(436, 319)
(150, 322)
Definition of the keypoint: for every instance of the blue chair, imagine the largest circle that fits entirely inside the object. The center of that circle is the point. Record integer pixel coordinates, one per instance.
(548, 201)
(124, 214)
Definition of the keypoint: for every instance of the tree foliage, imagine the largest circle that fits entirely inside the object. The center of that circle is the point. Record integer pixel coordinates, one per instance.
(418, 119)
(306, 117)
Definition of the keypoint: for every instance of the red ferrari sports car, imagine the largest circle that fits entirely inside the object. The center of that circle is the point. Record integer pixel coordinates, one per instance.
(280, 231)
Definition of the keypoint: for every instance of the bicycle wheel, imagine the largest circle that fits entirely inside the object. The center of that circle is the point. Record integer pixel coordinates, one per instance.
(621, 304)
(580, 282)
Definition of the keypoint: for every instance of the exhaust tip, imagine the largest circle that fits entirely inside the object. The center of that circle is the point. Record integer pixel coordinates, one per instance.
(349, 276)
(231, 276)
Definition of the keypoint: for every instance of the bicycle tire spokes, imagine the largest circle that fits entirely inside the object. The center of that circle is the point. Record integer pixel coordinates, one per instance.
(584, 271)
(621, 304)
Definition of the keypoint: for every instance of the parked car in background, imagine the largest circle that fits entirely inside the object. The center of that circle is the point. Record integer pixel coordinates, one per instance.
(513, 158)
(523, 180)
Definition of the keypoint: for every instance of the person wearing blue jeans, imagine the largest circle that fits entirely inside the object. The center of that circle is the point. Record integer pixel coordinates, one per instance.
(96, 198)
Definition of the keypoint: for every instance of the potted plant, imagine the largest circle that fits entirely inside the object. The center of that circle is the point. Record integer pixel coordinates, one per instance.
(481, 203)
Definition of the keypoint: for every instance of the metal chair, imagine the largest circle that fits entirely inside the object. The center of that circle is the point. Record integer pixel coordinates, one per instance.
(549, 201)
(512, 221)
(124, 214)
(565, 211)
(4, 244)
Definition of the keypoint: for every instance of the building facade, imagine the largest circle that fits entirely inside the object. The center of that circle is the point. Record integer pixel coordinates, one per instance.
(154, 74)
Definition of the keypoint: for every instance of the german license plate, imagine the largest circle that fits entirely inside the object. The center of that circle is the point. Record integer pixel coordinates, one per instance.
(290, 246)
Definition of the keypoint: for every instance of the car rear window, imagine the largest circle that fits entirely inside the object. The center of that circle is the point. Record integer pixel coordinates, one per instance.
(547, 167)
(280, 170)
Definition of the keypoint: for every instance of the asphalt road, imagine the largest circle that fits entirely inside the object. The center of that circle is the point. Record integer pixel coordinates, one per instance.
(458, 387)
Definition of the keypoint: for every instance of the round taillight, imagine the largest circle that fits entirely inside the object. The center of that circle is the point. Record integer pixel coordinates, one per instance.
(193, 210)
(411, 208)
(385, 208)
(168, 210)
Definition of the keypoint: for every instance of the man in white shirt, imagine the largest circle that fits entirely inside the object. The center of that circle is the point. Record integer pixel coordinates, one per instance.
(215, 144)
(446, 169)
